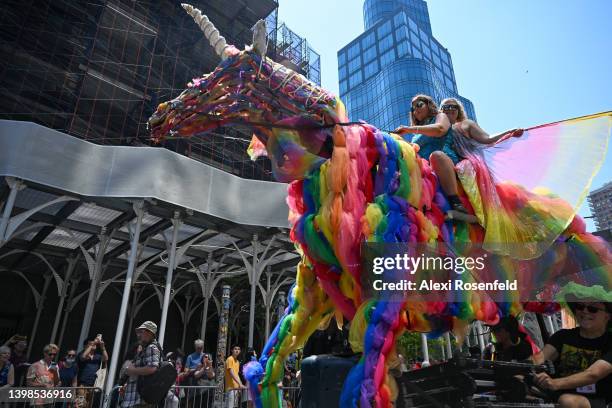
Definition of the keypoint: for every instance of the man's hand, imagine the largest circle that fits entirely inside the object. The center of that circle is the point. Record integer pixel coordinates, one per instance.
(128, 369)
(545, 382)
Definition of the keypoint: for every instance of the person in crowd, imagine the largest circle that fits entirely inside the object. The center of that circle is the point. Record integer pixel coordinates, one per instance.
(44, 373)
(7, 370)
(129, 358)
(233, 384)
(582, 357)
(193, 361)
(433, 134)
(462, 126)
(146, 363)
(68, 369)
(175, 393)
(18, 345)
(510, 343)
(90, 360)
(205, 377)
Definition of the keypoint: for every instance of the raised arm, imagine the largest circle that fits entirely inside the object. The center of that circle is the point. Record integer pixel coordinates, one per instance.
(477, 133)
(437, 129)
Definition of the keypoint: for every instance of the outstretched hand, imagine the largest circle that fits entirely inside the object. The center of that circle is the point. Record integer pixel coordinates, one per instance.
(517, 132)
(401, 130)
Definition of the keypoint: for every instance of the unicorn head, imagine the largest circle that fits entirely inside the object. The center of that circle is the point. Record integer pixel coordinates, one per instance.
(289, 115)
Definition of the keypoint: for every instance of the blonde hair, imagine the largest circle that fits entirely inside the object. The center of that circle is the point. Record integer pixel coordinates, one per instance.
(433, 108)
(461, 115)
(50, 347)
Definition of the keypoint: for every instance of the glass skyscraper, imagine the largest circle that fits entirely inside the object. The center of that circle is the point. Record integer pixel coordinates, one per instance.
(395, 58)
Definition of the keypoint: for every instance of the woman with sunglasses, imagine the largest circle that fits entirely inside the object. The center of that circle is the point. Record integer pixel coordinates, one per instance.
(433, 134)
(68, 369)
(583, 355)
(461, 125)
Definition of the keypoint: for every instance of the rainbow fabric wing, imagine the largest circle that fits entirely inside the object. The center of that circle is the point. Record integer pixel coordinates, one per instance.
(527, 190)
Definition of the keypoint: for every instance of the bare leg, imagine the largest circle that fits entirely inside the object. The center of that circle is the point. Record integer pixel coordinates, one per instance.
(444, 168)
(573, 401)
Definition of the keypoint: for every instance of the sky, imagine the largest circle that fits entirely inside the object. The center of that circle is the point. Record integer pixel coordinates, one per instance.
(521, 62)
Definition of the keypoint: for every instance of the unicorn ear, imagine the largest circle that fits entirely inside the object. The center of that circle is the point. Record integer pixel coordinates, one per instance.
(259, 38)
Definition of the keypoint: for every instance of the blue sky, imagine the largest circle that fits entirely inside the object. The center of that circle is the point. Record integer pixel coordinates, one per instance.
(521, 62)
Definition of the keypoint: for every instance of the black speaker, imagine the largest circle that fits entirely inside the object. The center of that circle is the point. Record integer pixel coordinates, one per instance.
(322, 380)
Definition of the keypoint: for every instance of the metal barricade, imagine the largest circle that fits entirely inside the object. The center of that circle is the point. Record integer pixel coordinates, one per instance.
(197, 396)
(188, 396)
(291, 396)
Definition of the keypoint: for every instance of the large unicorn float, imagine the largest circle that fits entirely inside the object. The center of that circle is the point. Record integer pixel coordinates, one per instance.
(350, 183)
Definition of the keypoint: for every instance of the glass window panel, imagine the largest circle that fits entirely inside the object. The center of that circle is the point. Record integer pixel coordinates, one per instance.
(403, 48)
(342, 72)
(371, 69)
(369, 55)
(426, 51)
(353, 51)
(401, 34)
(444, 56)
(416, 52)
(387, 58)
(399, 19)
(385, 43)
(412, 25)
(341, 58)
(437, 61)
(355, 79)
(367, 41)
(354, 64)
(446, 70)
(384, 29)
(424, 36)
(434, 47)
(343, 87)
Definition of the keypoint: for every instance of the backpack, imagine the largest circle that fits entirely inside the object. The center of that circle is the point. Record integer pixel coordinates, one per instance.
(154, 388)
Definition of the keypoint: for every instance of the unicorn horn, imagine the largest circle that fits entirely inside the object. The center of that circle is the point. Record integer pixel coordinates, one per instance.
(208, 28)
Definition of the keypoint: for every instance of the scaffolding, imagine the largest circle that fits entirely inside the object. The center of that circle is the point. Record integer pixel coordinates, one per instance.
(288, 48)
(97, 70)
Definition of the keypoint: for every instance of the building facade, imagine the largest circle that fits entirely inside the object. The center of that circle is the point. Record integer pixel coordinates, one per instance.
(97, 70)
(600, 203)
(394, 59)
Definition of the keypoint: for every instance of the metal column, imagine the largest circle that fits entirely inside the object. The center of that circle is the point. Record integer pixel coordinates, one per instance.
(254, 278)
(95, 276)
(110, 378)
(39, 308)
(425, 350)
(222, 345)
(71, 266)
(176, 222)
(15, 185)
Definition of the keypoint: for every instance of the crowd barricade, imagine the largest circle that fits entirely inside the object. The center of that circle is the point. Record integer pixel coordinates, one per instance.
(179, 396)
(60, 397)
(197, 396)
(291, 396)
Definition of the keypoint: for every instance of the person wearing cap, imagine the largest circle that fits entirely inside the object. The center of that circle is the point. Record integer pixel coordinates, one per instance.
(583, 355)
(145, 363)
(510, 343)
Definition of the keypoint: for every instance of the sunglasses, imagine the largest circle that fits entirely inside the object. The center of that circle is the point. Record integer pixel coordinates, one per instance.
(591, 309)
(52, 354)
(417, 105)
(70, 355)
(450, 107)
